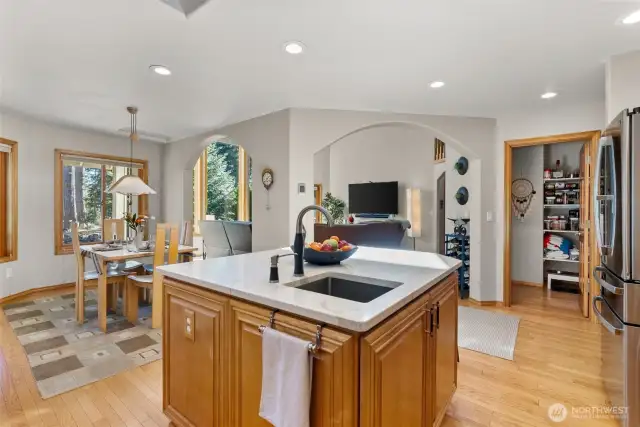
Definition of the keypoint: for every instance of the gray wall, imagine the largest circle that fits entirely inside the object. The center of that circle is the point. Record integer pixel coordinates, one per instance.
(527, 235)
(266, 140)
(37, 264)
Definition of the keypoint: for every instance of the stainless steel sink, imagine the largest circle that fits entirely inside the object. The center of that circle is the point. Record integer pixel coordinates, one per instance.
(352, 290)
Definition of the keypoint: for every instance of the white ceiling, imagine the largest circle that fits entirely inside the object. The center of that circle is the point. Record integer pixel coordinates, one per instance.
(82, 61)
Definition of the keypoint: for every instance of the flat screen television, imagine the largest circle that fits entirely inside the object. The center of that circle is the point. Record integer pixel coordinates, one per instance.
(373, 198)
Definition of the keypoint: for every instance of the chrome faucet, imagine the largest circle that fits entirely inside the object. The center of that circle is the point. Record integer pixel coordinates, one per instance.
(298, 243)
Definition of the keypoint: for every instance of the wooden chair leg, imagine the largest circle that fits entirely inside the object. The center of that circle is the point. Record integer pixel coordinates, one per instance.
(131, 301)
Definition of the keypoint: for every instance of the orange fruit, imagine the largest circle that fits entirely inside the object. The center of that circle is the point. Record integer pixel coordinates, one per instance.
(336, 238)
(346, 248)
(315, 246)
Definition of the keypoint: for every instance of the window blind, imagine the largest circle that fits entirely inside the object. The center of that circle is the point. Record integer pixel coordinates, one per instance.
(5, 148)
(79, 160)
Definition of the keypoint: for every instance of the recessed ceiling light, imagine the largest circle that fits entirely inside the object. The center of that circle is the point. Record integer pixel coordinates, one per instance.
(436, 85)
(548, 95)
(634, 18)
(294, 48)
(160, 69)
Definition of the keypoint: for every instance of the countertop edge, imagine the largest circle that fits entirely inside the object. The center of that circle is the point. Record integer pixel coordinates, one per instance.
(350, 325)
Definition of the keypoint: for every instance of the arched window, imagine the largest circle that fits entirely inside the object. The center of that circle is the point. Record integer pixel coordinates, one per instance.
(222, 184)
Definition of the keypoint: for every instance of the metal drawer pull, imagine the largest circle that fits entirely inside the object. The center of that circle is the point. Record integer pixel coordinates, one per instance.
(616, 290)
(605, 322)
(313, 347)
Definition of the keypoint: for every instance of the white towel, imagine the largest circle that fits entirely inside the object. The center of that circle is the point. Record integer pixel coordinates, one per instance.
(286, 380)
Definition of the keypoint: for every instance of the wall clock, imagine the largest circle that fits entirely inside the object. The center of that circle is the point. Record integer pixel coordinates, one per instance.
(267, 178)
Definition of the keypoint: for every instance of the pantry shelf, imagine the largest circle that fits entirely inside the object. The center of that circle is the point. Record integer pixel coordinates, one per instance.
(559, 206)
(560, 260)
(563, 179)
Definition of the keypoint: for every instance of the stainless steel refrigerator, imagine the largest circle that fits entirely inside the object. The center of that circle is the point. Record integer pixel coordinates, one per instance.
(617, 223)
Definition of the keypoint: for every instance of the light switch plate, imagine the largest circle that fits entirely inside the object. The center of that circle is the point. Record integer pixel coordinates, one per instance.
(190, 324)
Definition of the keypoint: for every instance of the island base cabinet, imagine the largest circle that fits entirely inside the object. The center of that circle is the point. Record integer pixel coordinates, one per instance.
(408, 364)
(194, 358)
(334, 393)
(394, 366)
(446, 349)
(403, 372)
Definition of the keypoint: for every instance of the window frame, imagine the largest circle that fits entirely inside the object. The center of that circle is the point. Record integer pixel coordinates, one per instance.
(200, 187)
(9, 203)
(143, 203)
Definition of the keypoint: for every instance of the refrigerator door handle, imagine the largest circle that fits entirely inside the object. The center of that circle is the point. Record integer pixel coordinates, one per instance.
(596, 191)
(605, 248)
(611, 328)
(616, 290)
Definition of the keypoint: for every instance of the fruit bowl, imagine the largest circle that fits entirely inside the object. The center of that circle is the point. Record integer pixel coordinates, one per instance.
(326, 258)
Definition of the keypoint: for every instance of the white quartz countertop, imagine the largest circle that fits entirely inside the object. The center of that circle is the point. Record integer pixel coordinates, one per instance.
(247, 277)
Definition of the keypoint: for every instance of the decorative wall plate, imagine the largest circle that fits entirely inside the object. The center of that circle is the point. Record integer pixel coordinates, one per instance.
(462, 165)
(462, 195)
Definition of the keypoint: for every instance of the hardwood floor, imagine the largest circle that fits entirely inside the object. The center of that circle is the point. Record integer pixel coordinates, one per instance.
(557, 359)
(131, 399)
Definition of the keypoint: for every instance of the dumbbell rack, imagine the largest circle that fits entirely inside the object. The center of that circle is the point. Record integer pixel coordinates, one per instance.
(457, 246)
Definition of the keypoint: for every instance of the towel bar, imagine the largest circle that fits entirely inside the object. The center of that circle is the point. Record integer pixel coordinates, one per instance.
(313, 347)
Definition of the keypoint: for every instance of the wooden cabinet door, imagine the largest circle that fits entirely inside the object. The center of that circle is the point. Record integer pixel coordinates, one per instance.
(446, 348)
(394, 380)
(334, 383)
(194, 359)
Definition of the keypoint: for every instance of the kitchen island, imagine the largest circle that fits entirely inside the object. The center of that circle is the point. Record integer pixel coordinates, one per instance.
(382, 328)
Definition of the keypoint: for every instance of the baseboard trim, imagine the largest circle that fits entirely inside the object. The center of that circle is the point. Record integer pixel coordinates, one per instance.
(486, 303)
(523, 283)
(30, 292)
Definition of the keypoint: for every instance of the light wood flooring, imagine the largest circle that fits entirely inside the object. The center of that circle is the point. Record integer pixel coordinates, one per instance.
(557, 359)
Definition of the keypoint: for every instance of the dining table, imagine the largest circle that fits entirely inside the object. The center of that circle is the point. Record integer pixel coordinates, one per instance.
(101, 259)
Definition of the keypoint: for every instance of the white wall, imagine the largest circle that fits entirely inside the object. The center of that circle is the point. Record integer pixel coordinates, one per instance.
(266, 140)
(287, 140)
(312, 130)
(527, 234)
(389, 153)
(322, 169)
(546, 120)
(622, 83)
(37, 266)
(568, 153)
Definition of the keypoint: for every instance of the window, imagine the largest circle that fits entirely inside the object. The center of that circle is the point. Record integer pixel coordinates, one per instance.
(8, 200)
(81, 181)
(222, 184)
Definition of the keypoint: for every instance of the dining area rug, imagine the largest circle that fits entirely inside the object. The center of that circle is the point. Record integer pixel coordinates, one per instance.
(487, 332)
(64, 355)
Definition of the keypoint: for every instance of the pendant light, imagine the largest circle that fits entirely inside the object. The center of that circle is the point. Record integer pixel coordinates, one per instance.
(131, 185)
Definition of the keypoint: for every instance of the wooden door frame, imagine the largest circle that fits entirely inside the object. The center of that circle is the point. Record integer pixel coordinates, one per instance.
(441, 244)
(593, 136)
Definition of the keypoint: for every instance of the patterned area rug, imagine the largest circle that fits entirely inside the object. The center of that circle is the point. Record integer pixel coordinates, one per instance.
(64, 355)
(487, 332)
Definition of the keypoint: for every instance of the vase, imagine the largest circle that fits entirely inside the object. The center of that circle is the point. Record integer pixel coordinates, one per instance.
(138, 239)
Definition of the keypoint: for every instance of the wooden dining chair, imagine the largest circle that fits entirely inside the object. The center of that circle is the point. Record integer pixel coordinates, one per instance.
(186, 239)
(89, 279)
(133, 283)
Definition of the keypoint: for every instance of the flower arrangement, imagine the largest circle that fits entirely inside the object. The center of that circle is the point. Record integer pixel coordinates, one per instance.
(135, 222)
